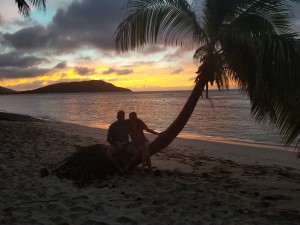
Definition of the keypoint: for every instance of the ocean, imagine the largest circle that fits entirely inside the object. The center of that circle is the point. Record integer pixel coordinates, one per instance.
(225, 117)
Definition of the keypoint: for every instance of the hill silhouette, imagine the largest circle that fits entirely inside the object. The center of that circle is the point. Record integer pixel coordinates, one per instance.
(4, 90)
(77, 87)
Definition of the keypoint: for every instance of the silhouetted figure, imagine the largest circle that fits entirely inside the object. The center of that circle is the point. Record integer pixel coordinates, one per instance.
(136, 132)
(118, 139)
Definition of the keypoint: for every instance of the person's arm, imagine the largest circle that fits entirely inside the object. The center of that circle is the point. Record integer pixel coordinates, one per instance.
(109, 136)
(145, 127)
(151, 131)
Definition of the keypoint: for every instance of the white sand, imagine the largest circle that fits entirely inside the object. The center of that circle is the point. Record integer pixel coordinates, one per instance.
(194, 182)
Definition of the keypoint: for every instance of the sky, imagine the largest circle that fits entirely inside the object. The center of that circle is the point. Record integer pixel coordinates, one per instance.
(74, 41)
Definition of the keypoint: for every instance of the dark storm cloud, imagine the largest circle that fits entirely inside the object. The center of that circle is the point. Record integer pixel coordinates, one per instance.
(61, 65)
(83, 23)
(15, 73)
(84, 70)
(16, 59)
(14, 65)
(28, 38)
(90, 22)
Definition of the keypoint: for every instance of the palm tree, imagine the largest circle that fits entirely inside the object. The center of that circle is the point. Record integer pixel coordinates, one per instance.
(248, 41)
(24, 7)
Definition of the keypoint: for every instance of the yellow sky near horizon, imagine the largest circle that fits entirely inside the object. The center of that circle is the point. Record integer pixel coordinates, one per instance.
(144, 77)
(56, 46)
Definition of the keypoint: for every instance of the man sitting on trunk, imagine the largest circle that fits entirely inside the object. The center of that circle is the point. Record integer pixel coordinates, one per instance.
(118, 139)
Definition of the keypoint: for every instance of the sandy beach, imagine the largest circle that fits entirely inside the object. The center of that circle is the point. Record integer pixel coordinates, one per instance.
(194, 182)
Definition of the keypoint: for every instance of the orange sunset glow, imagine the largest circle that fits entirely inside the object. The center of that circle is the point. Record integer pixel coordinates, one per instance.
(29, 62)
(52, 47)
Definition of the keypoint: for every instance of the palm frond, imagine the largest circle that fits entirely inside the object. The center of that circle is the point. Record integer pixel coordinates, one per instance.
(25, 9)
(263, 56)
(149, 22)
(278, 78)
(249, 41)
(268, 71)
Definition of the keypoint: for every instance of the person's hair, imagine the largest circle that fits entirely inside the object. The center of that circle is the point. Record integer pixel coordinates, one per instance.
(132, 113)
(121, 112)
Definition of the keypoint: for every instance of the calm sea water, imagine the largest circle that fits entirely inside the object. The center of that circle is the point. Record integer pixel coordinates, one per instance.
(224, 118)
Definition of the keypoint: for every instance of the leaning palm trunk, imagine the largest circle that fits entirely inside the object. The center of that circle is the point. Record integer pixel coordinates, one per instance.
(241, 43)
(176, 127)
(90, 163)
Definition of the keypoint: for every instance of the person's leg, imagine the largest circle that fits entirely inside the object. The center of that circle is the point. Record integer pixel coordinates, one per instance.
(146, 153)
(110, 153)
(134, 151)
(144, 158)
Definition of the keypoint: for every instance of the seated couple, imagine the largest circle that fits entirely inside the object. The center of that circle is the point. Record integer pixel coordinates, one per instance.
(118, 139)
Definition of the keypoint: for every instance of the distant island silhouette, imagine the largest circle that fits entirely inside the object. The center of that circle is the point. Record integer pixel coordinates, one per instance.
(71, 87)
(4, 90)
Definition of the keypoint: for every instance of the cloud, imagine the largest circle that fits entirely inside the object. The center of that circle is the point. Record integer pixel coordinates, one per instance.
(192, 78)
(17, 59)
(109, 71)
(118, 71)
(153, 49)
(84, 70)
(124, 72)
(178, 71)
(14, 65)
(175, 55)
(84, 23)
(1, 20)
(15, 73)
(30, 38)
(61, 65)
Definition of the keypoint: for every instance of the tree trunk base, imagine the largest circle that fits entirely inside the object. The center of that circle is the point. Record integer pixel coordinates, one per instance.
(88, 164)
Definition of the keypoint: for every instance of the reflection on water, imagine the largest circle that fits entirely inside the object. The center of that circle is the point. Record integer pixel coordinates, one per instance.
(225, 118)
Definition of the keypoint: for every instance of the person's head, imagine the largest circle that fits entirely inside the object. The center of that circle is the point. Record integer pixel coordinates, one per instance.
(121, 115)
(132, 116)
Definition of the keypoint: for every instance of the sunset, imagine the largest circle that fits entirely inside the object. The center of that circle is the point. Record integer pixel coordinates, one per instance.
(150, 112)
(54, 46)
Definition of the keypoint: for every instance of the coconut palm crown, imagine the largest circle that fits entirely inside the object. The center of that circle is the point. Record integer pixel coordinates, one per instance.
(248, 41)
(24, 7)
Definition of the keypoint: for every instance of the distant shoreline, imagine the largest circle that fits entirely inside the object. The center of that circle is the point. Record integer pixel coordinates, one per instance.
(71, 87)
(18, 117)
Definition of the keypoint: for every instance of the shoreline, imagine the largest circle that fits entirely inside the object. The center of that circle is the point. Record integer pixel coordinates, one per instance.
(194, 182)
(237, 142)
(187, 136)
(100, 133)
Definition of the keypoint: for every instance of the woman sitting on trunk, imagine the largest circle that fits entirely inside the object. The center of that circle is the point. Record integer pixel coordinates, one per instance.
(136, 132)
